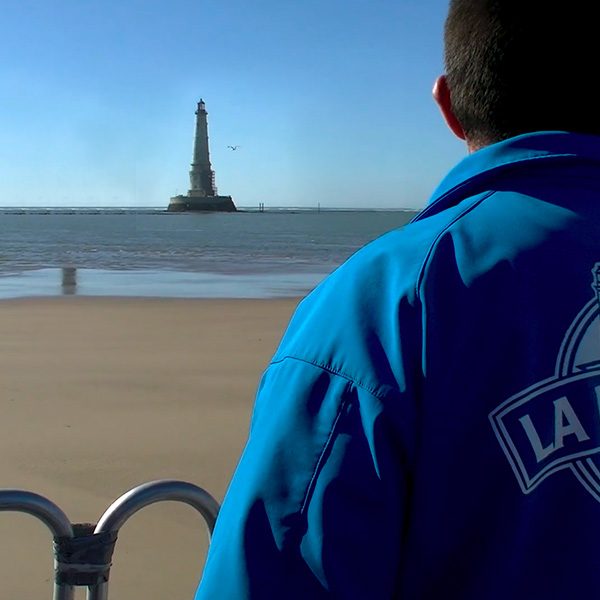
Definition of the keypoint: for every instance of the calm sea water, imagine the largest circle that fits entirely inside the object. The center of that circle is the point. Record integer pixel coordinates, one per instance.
(154, 253)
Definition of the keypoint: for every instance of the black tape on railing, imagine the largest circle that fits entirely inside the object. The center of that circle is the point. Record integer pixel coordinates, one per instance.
(84, 559)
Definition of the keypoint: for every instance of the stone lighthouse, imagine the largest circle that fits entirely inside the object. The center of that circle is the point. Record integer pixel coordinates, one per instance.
(202, 195)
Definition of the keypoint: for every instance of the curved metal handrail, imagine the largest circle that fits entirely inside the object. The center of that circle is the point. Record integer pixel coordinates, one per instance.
(47, 512)
(149, 493)
(111, 520)
(38, 506)
(157, 491)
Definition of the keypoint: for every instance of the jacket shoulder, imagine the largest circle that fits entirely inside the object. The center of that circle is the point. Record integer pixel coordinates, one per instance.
(355, 321)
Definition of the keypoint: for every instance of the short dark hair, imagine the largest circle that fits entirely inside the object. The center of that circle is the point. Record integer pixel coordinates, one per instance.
(516, 66)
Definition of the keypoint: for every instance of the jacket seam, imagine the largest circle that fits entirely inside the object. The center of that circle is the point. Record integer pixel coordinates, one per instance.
(380, 395)
(434, 243)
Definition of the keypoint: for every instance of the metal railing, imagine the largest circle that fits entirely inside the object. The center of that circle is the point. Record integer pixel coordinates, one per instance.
(83, 551)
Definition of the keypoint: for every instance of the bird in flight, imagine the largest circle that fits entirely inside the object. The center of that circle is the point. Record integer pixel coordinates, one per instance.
(233, 147)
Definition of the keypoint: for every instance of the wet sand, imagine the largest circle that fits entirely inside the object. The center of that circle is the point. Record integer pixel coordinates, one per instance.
(100, 395)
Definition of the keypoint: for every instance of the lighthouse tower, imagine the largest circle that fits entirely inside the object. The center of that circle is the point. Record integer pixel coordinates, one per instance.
(202, 177)
(202, 195)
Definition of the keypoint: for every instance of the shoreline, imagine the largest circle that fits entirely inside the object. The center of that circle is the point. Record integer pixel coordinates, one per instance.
(132, 298)
(100, 394)
(155, 283)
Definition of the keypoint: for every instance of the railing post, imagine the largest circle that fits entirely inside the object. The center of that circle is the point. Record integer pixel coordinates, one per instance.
(82, 551)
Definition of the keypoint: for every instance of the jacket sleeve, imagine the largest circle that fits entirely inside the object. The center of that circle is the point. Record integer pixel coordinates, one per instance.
(315, 507)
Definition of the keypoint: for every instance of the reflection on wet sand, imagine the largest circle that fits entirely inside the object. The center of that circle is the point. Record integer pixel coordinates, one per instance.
(69, 281)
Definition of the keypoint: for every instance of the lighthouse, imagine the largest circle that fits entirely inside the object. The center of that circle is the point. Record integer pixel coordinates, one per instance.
(202, 195)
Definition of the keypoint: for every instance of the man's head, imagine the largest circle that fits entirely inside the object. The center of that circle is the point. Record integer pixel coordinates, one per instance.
(516, 66)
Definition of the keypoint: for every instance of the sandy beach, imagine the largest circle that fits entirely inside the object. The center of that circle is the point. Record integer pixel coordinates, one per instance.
(100, 395)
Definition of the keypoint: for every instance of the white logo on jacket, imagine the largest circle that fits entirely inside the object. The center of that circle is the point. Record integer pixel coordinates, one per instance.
(555, 424)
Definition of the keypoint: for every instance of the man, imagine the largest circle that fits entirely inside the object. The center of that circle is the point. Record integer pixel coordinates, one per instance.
(430, 424)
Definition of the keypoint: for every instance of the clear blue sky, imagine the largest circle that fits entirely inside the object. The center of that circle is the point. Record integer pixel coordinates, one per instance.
(329, 100)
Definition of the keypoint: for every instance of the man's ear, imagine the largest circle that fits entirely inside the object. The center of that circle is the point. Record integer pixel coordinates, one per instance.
(441, 95)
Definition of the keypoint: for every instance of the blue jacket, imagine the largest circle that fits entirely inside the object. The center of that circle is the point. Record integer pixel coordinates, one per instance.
(430, 424)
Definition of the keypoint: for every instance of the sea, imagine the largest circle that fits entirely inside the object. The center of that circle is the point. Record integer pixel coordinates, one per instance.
(150, 252)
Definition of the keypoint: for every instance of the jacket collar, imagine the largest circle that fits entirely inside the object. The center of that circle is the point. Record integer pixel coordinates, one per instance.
(485, 164)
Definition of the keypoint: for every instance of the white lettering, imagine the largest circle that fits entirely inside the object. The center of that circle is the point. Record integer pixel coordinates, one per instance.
(540, 452)
(564, 411)
(566, 423)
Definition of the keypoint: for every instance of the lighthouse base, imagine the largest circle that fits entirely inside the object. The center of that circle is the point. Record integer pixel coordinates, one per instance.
(201, 204)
